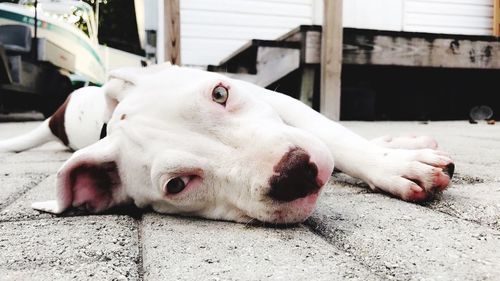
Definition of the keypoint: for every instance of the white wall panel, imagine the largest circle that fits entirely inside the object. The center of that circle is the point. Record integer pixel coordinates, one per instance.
(370, 14)
(212, 29)
(468, 17)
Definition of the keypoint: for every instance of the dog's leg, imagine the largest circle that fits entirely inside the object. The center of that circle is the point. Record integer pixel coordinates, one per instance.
(412, 175)
(36, 137)
(406, 142)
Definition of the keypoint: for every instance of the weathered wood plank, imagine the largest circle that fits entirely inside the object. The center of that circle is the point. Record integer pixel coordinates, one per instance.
(331, 59)
(408, 49)
(172, 31)
(312, 47)
(272, 63)
(496, 18)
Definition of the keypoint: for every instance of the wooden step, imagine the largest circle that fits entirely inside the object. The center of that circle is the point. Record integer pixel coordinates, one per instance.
(270, 63)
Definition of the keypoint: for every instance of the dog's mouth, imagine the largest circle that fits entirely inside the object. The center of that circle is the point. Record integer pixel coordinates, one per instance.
(297, 210)
(281, 213)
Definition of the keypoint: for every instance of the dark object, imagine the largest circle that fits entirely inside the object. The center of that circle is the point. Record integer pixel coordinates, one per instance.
(175, 186)
(357, 103)
(472, 121)
(118, 25)
(449, 170)
(491, 122)
(25, 82)
(104, 131)
(15, 38)
(295, 177)
(482, 112)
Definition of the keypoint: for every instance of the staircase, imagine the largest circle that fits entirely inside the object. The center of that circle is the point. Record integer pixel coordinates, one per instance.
(289, 64)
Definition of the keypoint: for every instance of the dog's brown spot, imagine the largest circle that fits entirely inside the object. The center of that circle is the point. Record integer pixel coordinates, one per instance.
(56, 123)
(123, 116)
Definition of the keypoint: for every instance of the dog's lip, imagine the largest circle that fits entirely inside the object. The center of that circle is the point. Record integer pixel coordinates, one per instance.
(321, 182)
(306, 205)
(307, 200)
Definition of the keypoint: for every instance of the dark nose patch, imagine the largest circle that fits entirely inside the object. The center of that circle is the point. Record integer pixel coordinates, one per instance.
(449, 170)
(295, 176)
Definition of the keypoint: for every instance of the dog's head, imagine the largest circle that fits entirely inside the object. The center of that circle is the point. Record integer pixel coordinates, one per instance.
(185, 141)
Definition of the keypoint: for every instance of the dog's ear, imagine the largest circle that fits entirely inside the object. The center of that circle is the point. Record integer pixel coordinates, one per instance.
(122, 79)
(89, 179)
(134, 74)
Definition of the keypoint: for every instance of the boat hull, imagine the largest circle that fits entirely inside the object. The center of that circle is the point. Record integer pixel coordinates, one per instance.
(67, 46)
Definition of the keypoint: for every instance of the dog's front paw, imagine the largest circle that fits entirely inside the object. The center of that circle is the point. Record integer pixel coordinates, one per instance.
(406, 142)
(412, 175)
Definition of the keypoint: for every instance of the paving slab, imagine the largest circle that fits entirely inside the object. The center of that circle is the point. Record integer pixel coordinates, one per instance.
(12, 187)
(79, 248)
(467, 198)
(47, 168)
(479, 203)
(190, 249)
(50, 153)
(404, 241)
(21, 208)
(354, 233)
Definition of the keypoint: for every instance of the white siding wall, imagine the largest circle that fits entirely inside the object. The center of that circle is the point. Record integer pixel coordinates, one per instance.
(468, 17)
(373, 14)
(211, 30)
(471, 17)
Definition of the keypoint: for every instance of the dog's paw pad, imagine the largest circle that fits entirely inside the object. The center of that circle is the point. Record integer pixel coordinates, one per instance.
(414, 175)
(424, 191)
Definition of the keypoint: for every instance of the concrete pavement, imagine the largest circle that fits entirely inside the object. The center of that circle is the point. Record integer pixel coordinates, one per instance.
(354, 234)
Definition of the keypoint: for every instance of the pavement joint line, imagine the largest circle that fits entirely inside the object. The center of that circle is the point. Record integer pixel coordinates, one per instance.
(24, 189)
(36, 162)
(313, 226)
(431, 207)
(36, 218)
(63, 216)
(467, 220)
(140, 245)
(29, 219)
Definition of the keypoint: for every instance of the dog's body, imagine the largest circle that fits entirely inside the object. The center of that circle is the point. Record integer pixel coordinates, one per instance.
(190, 142)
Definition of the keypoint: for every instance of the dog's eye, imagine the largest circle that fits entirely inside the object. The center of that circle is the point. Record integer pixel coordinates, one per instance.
(220, 94)
(176, 185)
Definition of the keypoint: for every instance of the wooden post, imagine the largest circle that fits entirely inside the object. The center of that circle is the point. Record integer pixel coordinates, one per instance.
(172, 31)
(496, 18)
(331, 59)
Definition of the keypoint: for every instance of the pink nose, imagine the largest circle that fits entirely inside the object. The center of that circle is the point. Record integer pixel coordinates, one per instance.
(295, 177)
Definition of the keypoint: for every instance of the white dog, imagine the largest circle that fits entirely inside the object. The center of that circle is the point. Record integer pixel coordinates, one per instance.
(191, 142)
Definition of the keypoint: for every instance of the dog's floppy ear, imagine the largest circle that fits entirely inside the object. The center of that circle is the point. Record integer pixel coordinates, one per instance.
(89, 179)
(121, 79)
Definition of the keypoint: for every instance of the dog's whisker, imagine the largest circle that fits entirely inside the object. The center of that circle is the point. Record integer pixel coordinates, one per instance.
(249, 222)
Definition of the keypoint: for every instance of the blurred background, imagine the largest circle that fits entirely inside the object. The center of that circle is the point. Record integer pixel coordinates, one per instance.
(401, 59)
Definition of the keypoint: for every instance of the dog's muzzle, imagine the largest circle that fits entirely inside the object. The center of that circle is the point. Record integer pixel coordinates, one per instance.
(295, 177)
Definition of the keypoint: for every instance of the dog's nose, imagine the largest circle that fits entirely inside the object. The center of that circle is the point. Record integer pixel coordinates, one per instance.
(295, 177)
